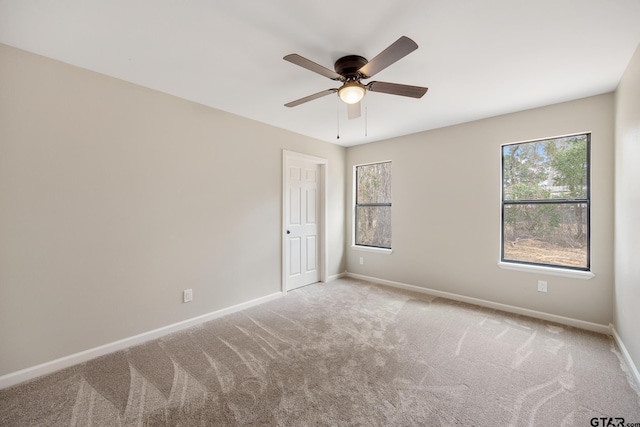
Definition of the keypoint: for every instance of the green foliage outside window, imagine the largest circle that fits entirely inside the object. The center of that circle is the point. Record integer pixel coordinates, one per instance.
(545, 191)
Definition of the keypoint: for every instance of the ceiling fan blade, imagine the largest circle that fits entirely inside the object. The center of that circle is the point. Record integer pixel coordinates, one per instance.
(397, 89)
(310, 97)
(398, 50)
(294, 58)
(353, 110)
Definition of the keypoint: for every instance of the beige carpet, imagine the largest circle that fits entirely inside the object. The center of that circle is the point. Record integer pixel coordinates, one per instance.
(346, 353)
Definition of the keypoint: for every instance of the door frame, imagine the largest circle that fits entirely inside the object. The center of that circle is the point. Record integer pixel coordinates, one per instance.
(322, 213)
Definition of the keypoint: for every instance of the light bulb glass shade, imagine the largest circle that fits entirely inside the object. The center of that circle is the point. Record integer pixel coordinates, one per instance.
(351, 92)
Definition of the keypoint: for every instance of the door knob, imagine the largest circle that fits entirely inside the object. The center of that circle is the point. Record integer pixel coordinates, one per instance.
(288, 232)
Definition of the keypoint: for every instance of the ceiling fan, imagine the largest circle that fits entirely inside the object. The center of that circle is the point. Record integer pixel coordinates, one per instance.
(352, 69)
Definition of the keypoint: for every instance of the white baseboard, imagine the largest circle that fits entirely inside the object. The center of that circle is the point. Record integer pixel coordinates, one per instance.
(625, 354)
(64, 362)
(336, 276)
(581, 324)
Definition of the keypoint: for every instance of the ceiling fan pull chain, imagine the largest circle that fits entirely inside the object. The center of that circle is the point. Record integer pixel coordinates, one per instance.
(366, 117)
(338, 116)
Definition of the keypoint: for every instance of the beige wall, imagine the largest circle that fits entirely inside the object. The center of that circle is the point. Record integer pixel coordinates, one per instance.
(627, 207)
(114, 198)
(446, 211)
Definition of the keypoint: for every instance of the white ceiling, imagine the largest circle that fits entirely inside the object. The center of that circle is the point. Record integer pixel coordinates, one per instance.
(479, 58)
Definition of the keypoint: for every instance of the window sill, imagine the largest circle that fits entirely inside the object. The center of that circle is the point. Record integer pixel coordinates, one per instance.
(562, 272)
(372, 249)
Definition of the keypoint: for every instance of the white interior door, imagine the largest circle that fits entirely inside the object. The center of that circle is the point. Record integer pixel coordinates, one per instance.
(301, 222)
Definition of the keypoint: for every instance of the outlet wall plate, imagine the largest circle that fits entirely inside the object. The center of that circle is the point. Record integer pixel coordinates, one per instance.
(542, 286)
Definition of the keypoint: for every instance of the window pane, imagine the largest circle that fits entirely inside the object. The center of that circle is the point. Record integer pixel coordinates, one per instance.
(549, 169)
(553, 234)
(374, 183)
(373, 226)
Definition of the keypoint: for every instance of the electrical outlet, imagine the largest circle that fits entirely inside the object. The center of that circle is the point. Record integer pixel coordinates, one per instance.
(542, 286)
(361, 260)
(187, 295)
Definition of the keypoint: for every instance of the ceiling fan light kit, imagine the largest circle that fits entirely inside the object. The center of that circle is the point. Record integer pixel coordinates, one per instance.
(351, 92)
(352, 69)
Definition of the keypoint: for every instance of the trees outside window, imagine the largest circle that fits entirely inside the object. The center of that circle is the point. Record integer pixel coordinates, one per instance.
(373, 205)
(546, 202)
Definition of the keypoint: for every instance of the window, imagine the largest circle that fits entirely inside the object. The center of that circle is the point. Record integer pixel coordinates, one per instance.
(546, 202)
(373, 205)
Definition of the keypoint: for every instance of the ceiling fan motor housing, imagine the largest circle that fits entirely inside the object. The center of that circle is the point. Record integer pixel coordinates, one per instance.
(348, 66)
